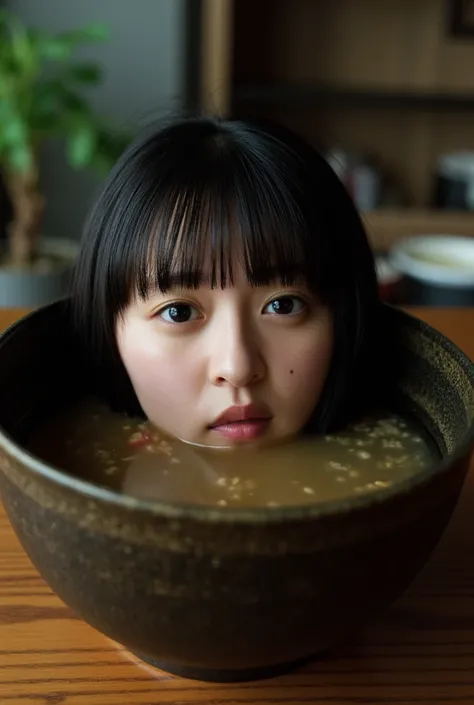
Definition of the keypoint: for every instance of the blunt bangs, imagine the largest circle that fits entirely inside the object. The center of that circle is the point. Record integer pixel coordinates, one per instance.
(205, 208)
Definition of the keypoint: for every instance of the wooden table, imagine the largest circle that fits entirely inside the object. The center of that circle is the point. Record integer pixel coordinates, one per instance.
(420, 653)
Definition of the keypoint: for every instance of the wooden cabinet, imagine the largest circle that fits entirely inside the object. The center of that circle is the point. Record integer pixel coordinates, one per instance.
(380, 78)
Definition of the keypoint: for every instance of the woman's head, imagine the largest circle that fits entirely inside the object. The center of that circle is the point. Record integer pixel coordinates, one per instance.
(224, 265)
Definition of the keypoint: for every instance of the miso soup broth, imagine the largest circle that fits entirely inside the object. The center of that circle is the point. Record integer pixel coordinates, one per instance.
(89, 441)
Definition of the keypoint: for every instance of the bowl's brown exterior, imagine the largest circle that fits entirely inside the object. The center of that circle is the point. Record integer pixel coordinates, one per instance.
(224, 594)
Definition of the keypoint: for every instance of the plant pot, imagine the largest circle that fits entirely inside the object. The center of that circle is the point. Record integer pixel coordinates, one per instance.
(30, 288)
(438, 270)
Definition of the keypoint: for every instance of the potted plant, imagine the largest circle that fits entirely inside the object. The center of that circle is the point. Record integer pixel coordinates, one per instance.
(41, 99)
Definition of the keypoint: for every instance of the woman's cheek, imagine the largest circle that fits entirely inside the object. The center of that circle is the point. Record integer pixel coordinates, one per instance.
(161, 372)
(304, 361)
(152, 368)
(305, 373)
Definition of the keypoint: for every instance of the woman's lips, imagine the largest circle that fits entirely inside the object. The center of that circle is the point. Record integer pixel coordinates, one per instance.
(243, 430)
(242, 423)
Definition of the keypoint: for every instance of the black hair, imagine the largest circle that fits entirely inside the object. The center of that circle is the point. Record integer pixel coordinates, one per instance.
(183, 196)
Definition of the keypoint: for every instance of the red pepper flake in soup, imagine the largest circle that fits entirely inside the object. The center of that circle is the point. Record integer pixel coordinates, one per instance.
(139, 439)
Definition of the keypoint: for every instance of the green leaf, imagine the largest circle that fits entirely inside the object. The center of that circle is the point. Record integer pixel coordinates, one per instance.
(101, 163)
(56, 109)
(17, 47)
(72, 102)
(86, 73)
(45, 105)
(61, 46)
(40, 96)
(23, 51)
(14, 128)
(54, 48)
(81, 145)
(20, 158)
(15, 132)
(94, 32)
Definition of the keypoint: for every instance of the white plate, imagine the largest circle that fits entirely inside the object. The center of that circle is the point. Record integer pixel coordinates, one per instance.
(442, 260)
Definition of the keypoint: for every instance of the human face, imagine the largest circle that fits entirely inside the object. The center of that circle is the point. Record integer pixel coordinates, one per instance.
(225, 367)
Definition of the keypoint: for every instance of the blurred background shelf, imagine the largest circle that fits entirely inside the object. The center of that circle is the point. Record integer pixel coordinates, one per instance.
(386, 226)
(300, 95)
(389, 81)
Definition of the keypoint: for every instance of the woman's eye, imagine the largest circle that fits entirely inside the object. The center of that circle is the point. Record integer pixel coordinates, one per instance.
(285, 306)
(179, 313)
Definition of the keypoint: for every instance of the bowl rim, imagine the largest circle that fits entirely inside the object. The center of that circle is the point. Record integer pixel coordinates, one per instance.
(246, 515)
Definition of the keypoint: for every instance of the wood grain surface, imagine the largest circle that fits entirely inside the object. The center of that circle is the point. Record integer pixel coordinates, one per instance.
(420, 653)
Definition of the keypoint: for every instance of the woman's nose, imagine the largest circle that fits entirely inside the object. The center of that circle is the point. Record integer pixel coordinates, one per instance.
(236, 358)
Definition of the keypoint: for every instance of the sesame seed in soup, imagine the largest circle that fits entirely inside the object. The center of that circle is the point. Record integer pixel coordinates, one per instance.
(89, 441)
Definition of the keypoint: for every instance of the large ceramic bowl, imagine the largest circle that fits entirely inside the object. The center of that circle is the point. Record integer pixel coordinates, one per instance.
(223, 594)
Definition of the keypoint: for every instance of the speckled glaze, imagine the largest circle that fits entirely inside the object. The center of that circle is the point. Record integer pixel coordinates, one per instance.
(221, 594)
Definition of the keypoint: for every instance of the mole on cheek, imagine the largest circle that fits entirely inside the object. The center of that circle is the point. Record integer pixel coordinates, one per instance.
(291, 372)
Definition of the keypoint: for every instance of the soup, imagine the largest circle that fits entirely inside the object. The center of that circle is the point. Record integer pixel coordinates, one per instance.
(89, 441)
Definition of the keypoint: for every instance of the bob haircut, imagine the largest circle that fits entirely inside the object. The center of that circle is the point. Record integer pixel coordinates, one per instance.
(187, 197)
